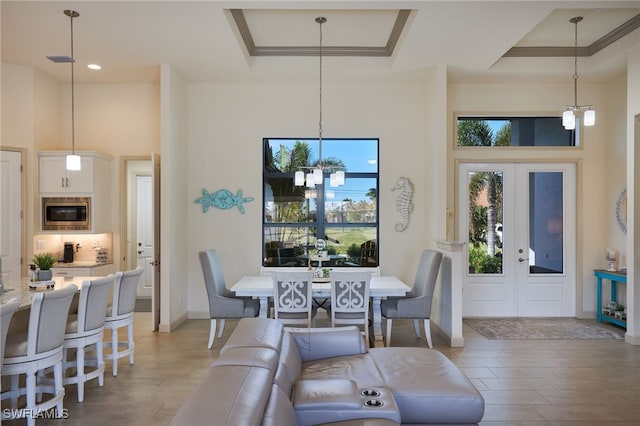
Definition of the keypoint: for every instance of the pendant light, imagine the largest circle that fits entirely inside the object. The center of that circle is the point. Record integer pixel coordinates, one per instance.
(315, 175)
(73, 160)
(569, 115)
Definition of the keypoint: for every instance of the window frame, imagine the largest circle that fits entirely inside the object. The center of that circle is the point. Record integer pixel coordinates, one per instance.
(576, 134)
(320, 225)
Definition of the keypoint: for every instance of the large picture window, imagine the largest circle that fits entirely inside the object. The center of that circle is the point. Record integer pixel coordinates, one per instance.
(345, 217)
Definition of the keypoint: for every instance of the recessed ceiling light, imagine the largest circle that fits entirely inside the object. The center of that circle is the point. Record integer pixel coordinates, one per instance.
(94, 67)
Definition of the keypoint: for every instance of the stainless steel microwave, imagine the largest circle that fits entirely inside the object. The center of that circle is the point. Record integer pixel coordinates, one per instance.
(66, 213)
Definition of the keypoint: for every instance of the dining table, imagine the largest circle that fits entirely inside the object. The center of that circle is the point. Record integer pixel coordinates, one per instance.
(261, 287)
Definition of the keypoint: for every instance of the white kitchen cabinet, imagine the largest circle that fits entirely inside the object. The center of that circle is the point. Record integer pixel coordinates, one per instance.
(55, 178)
(89, 271)
(93, 180)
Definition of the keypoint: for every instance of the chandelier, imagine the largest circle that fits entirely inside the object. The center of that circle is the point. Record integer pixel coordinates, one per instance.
(312, 176)
(569, 115)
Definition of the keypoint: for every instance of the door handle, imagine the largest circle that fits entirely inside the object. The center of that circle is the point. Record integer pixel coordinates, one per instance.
(522, 259)
(140, 251)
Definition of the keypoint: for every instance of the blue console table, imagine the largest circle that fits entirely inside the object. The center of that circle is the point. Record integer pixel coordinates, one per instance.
(615, 278)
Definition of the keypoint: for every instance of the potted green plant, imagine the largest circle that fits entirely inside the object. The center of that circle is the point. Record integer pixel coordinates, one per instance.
(44, 262)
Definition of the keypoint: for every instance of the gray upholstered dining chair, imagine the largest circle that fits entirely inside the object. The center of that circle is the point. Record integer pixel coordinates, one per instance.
(223, 303)
(416, 305)
(292, 297)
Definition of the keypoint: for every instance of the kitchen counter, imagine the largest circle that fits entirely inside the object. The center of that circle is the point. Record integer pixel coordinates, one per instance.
(83, 268)
(20, 289)
(80, 264)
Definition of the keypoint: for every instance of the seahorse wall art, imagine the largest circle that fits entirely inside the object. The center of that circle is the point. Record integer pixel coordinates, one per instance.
(404, 205)
(222, 199)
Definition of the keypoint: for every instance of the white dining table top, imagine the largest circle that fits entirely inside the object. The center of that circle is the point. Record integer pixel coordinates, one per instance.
(20, 289)
(262, 286)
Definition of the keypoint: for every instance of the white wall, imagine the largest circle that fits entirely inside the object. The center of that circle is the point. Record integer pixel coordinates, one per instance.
(174, 208)
(615, 114)
(30, 123)
(227, 124)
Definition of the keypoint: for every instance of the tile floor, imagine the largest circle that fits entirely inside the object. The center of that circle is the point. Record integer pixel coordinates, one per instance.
(524, 383)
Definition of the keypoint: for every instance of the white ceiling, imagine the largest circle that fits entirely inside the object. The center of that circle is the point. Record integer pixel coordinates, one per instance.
(201, 40)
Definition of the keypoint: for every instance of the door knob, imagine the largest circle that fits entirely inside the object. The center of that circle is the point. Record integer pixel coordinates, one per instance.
(522, 259)
(140, 251)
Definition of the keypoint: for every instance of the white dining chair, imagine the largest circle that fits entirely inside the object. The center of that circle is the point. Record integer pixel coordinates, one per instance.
(350, 299)
(120, 314)
(292, 297)
(37, 349)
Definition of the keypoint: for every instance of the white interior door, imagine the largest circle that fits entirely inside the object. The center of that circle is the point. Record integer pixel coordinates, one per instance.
(144, 233)
(519, 223)
(11, 214)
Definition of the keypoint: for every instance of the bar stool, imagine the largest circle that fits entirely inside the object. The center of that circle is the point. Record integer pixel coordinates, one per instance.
(120, 314)
(86, 329)
(37, 349)
(6, 313)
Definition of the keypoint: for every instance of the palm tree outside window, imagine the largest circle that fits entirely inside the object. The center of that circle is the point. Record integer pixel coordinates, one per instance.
(345, 217)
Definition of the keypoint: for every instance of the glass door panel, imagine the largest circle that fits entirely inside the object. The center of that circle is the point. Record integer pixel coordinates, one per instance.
(546, 223)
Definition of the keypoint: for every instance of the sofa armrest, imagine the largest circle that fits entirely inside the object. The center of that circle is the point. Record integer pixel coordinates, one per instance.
(320, 343)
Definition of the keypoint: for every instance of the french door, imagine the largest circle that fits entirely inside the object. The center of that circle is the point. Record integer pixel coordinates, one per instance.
(519, 223)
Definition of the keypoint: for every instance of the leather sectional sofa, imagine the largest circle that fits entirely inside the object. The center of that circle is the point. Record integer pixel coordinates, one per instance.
(268, 375)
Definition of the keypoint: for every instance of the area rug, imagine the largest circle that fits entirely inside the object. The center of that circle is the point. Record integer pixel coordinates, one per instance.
(542, 329)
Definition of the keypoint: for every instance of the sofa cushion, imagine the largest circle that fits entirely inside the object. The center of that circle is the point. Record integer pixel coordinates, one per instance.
(227, 395)
(289, 366)
(250, 357)
(255, 332)
(427, 386)
(364, 422)
(279, 410)
(332, 400)
(319, 343)
(331, 395)
(360, 368)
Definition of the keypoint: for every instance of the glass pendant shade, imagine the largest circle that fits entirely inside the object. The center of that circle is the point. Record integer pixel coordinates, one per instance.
(332, 180)
(568, 120)
(317, 176)
(339, 177)
(73, 162)
(310, 182)
(589, 117)
(299, 178)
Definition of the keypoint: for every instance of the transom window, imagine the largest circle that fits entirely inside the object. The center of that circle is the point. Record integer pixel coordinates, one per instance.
(344, 217)
(514, 131)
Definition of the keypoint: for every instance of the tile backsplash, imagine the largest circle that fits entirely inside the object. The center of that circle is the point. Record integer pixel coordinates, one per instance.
(91, 246)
